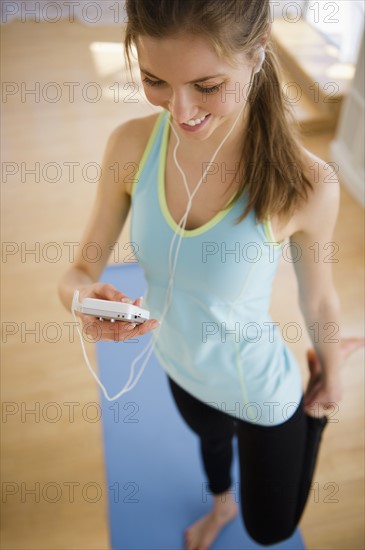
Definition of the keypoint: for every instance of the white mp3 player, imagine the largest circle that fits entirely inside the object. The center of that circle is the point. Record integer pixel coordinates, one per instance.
(110, 310)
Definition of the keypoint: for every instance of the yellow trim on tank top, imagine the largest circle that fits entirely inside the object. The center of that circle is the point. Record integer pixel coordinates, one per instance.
(269, 232)
(161, 190)
(147, 151)
(162, 197)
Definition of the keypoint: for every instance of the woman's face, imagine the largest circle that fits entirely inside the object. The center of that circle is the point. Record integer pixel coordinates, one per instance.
(174, 73)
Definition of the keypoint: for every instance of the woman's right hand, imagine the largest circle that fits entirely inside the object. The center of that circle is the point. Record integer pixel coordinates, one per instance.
(105, 330)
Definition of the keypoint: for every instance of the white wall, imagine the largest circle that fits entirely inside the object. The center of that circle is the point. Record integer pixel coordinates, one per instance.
(342, 21)
(347, 149)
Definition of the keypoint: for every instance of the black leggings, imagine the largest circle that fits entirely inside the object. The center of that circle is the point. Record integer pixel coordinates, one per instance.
(276, 463)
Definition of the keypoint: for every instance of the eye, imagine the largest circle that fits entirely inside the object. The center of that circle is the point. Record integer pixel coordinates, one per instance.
(152, 82)
(212, 90)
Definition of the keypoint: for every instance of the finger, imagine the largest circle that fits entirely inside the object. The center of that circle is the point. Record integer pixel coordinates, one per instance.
(126, 330)
(311, 393)
(95, 329)
(109, 292)
(310, 388)
(138, 302)
(143, 328)
(118, 332)
(149, 325)
(349, 345)
(317, 410)
(310, 403)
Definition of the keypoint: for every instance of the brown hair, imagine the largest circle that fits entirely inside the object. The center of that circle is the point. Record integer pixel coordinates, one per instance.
(272, 160)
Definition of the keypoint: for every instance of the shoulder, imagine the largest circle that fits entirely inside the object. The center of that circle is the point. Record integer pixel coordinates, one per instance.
(128, 142)
(323, 200)
(322, 203)
(313, 244)
(133, 129)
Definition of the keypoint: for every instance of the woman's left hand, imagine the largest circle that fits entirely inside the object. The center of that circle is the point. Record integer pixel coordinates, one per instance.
(322, 391)
(322, 395)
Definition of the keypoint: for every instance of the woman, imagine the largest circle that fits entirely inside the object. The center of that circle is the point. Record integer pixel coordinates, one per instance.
(211, 68)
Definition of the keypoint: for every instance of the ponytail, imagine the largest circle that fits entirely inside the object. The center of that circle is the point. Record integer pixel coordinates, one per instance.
(272, 159)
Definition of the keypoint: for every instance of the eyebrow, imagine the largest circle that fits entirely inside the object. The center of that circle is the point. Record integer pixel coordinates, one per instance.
(191, 82)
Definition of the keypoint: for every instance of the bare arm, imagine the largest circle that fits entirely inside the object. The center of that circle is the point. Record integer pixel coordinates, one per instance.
(110, 210)
(316, 251)
(111, 207)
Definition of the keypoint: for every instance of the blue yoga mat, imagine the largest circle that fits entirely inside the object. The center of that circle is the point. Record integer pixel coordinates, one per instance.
(156, 484)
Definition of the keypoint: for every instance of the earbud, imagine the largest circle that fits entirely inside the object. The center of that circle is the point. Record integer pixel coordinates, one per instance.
(261, 60)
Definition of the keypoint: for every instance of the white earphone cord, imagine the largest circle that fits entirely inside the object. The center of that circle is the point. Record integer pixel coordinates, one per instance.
(172, 273)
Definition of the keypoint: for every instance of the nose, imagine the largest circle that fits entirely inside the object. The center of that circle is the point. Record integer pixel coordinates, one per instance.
(181, 107)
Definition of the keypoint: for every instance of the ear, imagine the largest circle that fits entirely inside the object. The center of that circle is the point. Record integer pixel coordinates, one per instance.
(265, 35)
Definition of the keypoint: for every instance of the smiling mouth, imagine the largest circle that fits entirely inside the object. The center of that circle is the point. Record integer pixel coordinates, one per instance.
(196, 122)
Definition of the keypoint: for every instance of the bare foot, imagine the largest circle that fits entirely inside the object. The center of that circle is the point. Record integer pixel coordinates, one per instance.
(204, 531)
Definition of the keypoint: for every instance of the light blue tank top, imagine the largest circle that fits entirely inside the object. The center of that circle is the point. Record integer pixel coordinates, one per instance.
(217, 341)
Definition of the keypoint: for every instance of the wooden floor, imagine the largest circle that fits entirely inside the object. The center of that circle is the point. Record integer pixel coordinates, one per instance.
(53, 476)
